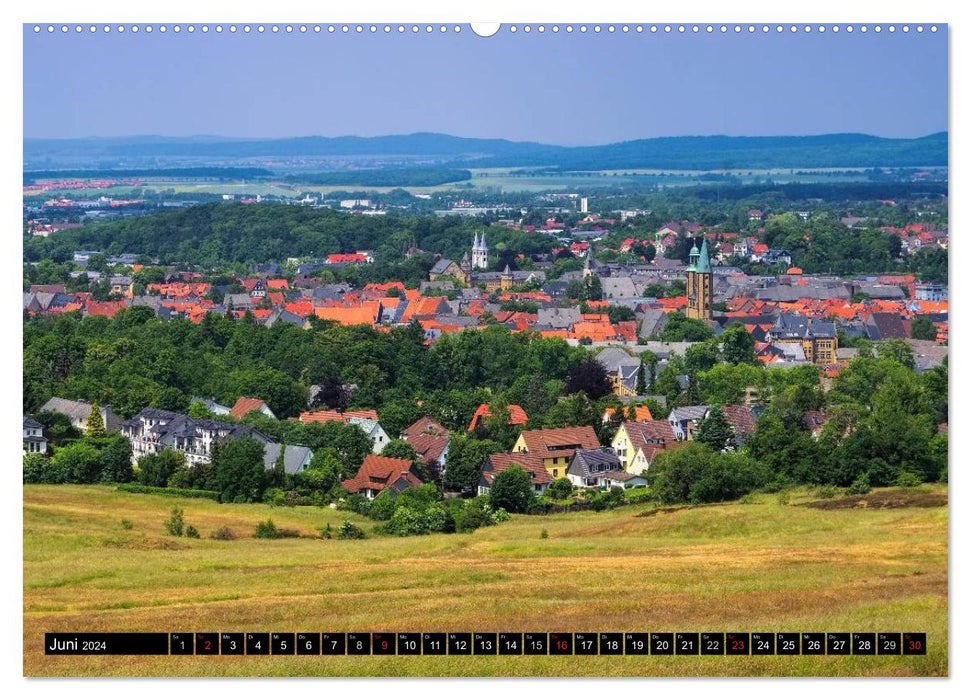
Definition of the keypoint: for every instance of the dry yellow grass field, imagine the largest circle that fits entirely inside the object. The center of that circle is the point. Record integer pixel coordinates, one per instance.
(757, 566)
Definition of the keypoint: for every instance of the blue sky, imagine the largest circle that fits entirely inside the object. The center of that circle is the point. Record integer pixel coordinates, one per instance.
(554, 88)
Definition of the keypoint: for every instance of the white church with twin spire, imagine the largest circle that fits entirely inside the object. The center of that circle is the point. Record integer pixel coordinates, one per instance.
(480, 253)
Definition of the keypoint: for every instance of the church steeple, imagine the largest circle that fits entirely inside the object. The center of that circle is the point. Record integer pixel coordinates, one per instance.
(480, 252)
(699, 288)
(703, 264)
(693, 256)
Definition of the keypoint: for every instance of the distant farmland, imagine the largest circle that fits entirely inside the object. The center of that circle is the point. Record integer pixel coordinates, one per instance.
(758, 566)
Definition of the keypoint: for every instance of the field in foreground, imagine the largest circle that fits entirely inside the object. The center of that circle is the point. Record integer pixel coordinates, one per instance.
(759, 566)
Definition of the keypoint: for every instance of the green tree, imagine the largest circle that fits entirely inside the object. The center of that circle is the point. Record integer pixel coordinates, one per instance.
(573, 410)
(512, 489)
(560, 488)
(681, 328)
(897, 350)
(738, 345)
(921, 328)
(463, 464)
(715, 431)
(157, 469)
(77, 463)
(239, 474)
(96, 424)
(640, 388)
(695, 474)
(116, 453)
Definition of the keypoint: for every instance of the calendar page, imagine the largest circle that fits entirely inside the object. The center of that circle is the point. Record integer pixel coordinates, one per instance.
(437, 349)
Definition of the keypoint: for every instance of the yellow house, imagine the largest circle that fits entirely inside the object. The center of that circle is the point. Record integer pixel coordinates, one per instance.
(636, 444)
(817, 338)
(556, 446)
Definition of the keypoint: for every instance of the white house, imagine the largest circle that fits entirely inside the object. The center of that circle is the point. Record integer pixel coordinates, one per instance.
(34, 440)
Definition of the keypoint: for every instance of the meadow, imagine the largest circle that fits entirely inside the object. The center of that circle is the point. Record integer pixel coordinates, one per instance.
(761, 565)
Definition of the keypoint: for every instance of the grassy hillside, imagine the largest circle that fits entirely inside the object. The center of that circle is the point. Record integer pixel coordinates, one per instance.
(758, 566)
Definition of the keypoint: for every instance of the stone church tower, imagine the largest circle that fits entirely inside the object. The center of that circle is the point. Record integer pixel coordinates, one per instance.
(699, 287)
(480, 253)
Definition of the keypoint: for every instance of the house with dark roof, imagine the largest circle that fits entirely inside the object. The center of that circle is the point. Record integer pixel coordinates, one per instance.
(444, 266)
(378, 473)
(34, 441)
(296, 458)
(684, 420)
(883, 325)
(212, 406)
(813, 421)
(589, 467)
(817, 338)
(155, 429)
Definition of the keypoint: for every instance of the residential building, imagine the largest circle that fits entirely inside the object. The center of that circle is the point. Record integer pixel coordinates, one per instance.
(637, 443)
(245, 405)
(296, 458)
(817, 338)
(685, 419)
(430, 440)
(539, 476)
(517, 416)
(379, 473)
(742, 420)
(34, 440)
(556, 446)
(366, 420)
(444, 266)
(589, 467)
(78, 412)
(212, 406)
(155, 429)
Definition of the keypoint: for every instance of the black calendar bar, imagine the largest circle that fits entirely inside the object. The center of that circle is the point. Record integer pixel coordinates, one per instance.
(662, 643)
(107, 643)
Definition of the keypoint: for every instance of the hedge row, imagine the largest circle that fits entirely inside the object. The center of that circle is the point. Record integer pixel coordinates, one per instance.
(165, 491)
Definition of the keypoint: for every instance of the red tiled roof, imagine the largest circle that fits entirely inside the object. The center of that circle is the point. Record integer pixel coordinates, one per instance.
(740, 418)
(425, 426)
(245, 405)
(655, 433)
(517, 416)
(559, 442)
(531, 464)
(378, 473)
(429, 447)
(325, 416)
(642, 413)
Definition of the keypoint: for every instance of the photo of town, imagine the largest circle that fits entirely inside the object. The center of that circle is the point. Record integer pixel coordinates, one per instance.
(552, 331)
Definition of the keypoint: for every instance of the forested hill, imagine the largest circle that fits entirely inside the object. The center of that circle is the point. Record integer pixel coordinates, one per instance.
(237, 233)
(681, 152)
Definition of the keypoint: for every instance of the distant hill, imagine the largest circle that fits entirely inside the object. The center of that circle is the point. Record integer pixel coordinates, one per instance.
(680, 152)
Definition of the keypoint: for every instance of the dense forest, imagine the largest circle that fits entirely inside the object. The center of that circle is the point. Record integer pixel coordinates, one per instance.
(213, 234)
